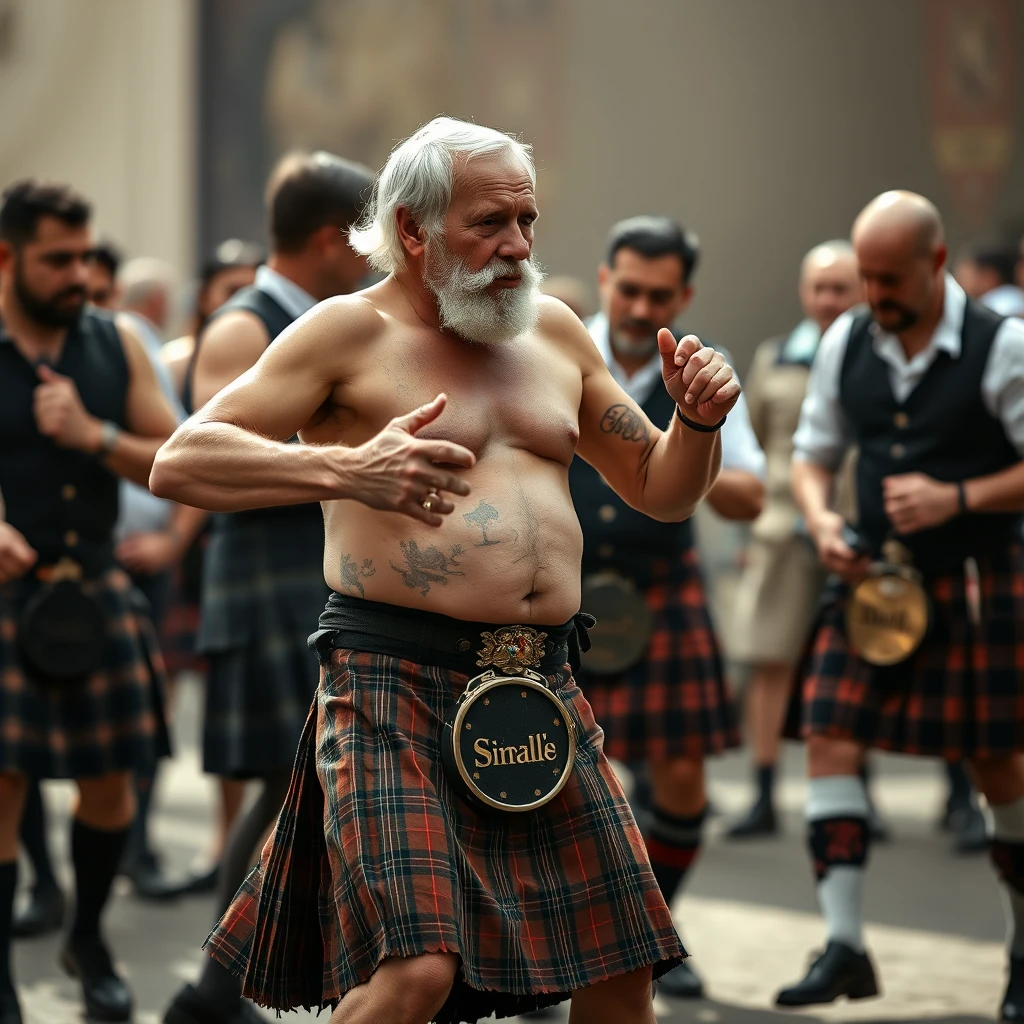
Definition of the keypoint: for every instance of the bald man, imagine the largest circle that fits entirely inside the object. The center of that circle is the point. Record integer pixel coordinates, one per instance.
(782, 579)
(929, 385)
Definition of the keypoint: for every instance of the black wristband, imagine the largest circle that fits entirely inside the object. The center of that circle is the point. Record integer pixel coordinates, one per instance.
(699, 427)
(961, 493)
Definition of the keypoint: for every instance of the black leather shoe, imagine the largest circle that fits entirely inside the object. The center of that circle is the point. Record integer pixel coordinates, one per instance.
(1013, 1000)
(682, 982)
(148, 880)
(10, 1012)
(188, 1007)
(43, 914)
(971, 831)
(839, 971)
(195, 885)
(106, 996)
(758, 821)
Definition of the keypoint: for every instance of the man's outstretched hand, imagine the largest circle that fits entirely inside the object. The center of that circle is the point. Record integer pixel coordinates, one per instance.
(698, 378)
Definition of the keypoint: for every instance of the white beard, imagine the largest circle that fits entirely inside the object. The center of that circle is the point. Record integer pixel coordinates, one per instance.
(466, 309)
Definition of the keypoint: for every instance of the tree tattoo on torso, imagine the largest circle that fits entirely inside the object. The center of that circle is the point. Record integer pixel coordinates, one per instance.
(352, 574)
(620, 419)
(481, 516)
(427, 566)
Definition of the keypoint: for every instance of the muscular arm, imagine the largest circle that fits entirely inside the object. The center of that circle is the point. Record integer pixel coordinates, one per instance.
(663, 473)
(737, 495)
(812, 489)
(232, 344)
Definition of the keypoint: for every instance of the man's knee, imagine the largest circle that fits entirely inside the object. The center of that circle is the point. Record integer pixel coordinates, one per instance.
(106, 802)
(1001, 779)
(421, 985)
(12, 801)
(829, 756)
(678, 785)
(610, 1000)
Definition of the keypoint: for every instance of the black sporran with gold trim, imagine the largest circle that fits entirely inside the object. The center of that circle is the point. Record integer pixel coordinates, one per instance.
(888, 612)
(509, 743)
(62, 629)
(624, 623)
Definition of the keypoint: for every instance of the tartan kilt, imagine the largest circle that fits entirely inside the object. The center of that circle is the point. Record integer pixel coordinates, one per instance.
(374, 856)
(675, 701)
(179, 632)
(262, 586)
(958, 696)
(110, 722)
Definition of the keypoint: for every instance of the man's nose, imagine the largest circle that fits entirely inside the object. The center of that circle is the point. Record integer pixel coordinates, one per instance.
(515, 246)
(640, 308)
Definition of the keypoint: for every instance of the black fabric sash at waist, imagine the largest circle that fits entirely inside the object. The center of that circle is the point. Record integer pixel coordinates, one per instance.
(427, 638)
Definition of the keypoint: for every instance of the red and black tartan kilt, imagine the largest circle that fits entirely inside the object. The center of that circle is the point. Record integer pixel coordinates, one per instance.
(675, 701)
(112, 721)
(394, 863)
(958, 696)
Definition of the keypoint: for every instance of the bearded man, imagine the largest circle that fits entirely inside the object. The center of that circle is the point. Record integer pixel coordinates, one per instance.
(384, 891)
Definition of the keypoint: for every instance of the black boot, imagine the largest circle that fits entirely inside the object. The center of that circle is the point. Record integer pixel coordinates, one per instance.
(758, 821)
(106, 996)
(10, 1012)
(43, 914)
(187, 1007)
(839, 971)
(1013, 1000)
(971, 831)
(682, 982)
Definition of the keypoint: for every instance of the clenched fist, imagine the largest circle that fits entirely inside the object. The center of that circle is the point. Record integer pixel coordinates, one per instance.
(698, 378)
(915, 502)
(398, 471)
(60, 414)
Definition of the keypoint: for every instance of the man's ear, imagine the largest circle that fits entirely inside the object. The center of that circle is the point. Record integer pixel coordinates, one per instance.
(6, 254)
(410, 233)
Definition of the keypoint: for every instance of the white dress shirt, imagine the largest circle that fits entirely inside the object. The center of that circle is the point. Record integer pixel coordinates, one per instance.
(1006, 300)
(292, 298)
(740, 449)
(824, 435)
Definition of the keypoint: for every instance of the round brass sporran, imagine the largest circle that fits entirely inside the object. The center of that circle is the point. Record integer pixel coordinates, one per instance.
(624, 623)
(887, 615)
(511, 743)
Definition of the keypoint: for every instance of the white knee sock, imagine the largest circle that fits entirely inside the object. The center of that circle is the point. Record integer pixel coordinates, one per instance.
(837, 812)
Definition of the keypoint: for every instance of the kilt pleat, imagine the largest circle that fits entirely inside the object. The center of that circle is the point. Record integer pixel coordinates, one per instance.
(674, 702)
(958, 696)
(108, 722)
(374, 856)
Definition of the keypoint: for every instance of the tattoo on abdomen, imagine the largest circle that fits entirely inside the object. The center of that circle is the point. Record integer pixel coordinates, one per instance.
(620, 419)
(481, 516)
(352, 574)
(427, 566)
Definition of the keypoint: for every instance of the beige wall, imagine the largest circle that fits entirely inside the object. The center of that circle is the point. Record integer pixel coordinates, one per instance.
(99, 93)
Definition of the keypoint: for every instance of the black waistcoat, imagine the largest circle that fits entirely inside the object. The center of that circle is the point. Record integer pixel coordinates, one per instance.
(616, 536)
(65, 502)
(274, 319)
(943, 430)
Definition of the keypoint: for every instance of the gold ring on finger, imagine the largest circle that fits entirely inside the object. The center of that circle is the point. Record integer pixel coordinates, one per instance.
(430, 500)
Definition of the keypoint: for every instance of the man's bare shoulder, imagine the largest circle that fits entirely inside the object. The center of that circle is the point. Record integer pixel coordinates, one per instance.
(234, 327)
(564, 329)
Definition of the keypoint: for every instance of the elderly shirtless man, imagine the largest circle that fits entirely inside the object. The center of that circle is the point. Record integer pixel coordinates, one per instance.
(383, 891)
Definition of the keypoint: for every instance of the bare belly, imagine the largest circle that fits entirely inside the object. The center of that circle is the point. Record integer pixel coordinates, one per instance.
(510, 552)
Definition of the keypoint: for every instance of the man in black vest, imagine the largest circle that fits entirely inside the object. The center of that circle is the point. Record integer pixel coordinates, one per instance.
(930, 386)
(263, 575)
(79, 406)
(670, 708)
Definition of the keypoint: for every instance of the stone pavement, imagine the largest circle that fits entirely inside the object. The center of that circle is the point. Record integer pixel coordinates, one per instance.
(935, 920)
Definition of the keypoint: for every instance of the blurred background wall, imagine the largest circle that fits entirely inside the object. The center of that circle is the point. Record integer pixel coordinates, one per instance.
(763, 124)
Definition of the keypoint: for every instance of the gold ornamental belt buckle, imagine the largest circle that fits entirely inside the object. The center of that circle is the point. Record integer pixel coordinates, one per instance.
(624, 623)
(887, 614)
(511, 743)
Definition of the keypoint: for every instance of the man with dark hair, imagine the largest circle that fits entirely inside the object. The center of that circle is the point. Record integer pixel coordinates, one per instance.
(103, 289)
(986, 270)
(669, 707)
(79, 407)
(918, 646)
(263, 570)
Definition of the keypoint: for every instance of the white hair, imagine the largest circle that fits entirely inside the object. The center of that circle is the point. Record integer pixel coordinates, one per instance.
(828, 252)
(142, 277)
(418, 175)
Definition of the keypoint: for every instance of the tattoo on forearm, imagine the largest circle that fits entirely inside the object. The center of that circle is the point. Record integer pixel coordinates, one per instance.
(481, 516)
(352, 574)
(620, 419)
(427, 566)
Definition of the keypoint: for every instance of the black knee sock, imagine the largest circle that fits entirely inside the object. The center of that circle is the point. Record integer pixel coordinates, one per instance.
(96, 854)
(217, 987)
(960, 788)
(138, 837)
(33, 837)
(765, 784)
(673, 844)
(8, 880)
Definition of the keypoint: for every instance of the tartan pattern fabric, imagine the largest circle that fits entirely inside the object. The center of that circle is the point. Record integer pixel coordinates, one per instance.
(958, 696)
(179, 631)
(262, 586)
(112, 721)
(674, 702)
(375, 856)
